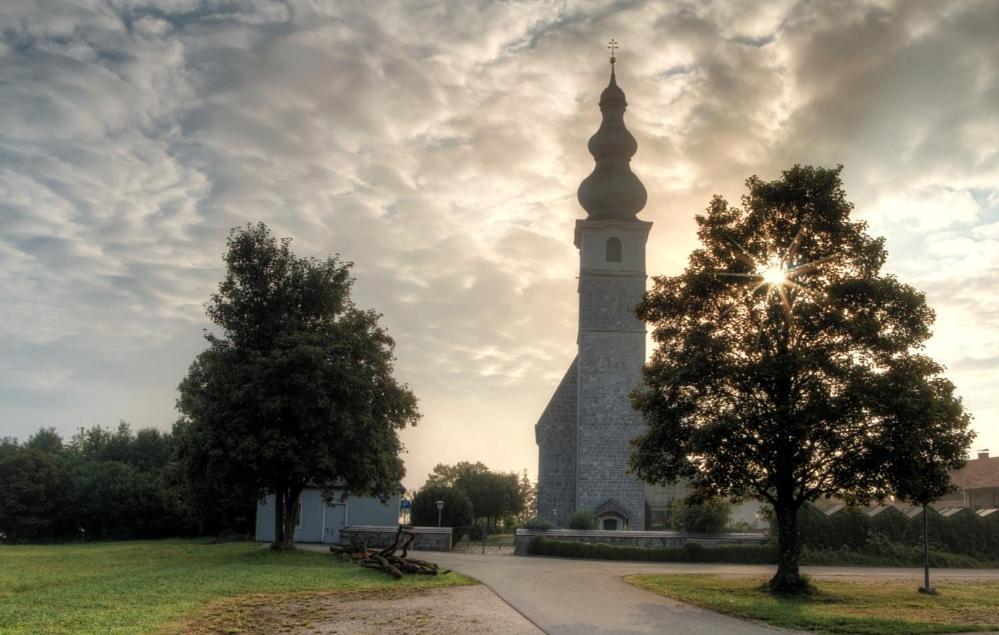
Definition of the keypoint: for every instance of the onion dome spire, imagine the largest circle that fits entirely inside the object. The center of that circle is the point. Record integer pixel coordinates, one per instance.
(612, 191)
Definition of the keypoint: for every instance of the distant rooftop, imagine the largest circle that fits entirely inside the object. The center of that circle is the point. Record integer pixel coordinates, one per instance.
(978, 473)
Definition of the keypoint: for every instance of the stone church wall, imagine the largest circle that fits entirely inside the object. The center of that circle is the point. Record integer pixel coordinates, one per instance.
(609, 369)
(556, 438)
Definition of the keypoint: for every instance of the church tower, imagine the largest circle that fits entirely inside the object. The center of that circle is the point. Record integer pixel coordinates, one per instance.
(585, 432)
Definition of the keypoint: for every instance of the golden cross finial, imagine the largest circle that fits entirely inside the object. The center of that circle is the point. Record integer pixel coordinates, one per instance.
(612, 45)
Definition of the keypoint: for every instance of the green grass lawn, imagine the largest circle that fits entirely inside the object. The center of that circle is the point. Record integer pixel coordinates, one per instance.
(883, 606)
(149, 586)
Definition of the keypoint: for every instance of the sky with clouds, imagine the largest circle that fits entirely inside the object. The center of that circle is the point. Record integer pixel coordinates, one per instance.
(439, 145)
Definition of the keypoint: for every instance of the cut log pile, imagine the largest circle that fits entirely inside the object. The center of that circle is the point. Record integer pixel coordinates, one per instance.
(386, 559)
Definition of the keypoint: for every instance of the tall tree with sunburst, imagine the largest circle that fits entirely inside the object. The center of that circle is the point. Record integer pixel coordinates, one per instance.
(788, 366)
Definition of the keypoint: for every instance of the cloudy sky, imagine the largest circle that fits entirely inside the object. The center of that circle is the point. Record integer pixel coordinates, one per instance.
(438, 145)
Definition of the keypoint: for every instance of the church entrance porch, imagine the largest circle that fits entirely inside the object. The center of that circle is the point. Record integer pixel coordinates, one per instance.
(612, 515)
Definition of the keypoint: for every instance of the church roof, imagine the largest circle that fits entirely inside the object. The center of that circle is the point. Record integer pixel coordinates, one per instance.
(612, 191)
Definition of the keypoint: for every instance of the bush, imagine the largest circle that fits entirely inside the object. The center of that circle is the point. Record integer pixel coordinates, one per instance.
(477, 532)
(711, 516)
(537, 524)
(582, 519)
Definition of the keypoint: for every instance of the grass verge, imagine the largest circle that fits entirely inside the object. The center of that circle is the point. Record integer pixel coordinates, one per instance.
(881, 607)
(145, 586)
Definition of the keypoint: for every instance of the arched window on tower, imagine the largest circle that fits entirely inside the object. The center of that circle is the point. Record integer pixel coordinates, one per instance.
(613, 249)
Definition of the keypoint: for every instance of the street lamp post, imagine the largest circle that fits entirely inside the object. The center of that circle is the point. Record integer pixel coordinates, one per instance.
(926, 588)
(440, 508)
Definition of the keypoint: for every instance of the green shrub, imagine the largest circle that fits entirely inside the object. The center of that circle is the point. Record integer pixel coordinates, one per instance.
(711, 516)
(892, 524)
(538, 524)
(582, 519)
(741, 527)
(850, 528)
(477, 532)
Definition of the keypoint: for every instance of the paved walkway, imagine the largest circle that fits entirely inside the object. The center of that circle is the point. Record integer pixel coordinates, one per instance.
(587, 596)
(583, 597)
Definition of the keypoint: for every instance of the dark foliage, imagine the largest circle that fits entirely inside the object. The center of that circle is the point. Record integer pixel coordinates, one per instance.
(102, 484)
(708, 516)
(538, 524)
(457, 513)
(788, 366)
(29, 496)
(581, 519)
(964, 533)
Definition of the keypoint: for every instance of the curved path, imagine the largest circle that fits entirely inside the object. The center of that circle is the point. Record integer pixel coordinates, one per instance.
(589, 596)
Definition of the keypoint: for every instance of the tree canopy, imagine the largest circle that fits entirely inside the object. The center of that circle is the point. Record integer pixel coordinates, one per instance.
(298, 389)
(494, 495)
(788, 366)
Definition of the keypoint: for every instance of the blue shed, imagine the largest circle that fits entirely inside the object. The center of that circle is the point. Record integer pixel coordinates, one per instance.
(321, 521)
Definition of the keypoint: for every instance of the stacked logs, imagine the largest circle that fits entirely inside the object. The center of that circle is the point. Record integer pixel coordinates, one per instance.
(386, 560)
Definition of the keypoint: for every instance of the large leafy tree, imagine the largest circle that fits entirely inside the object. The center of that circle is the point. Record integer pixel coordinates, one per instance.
(787, 365)
(298, 390)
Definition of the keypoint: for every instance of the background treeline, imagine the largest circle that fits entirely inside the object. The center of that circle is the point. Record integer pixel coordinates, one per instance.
(110, 484)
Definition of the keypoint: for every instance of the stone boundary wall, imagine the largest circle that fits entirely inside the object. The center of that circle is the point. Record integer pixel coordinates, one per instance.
(647, 539)
(378, 536)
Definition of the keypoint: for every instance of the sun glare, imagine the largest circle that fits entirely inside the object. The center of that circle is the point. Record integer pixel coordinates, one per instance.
(773, 274)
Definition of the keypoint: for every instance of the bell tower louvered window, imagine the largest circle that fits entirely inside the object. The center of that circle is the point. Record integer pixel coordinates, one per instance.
(613, 249)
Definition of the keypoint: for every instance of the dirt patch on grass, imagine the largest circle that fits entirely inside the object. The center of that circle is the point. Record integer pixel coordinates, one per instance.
(464, 609)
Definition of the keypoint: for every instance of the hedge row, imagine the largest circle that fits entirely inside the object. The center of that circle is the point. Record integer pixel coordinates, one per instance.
(690, 552)
(884, 554)
(854, 530)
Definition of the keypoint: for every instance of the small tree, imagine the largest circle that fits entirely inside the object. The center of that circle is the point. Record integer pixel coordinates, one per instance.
(528, 492)
(457, 512)
(787, 366)
(299, 389)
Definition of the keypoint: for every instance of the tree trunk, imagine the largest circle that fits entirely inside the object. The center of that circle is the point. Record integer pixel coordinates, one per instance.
(788, 577)
(290, 517)
(279, 497)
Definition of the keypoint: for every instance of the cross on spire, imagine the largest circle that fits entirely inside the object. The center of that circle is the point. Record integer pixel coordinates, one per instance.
(612, 46)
